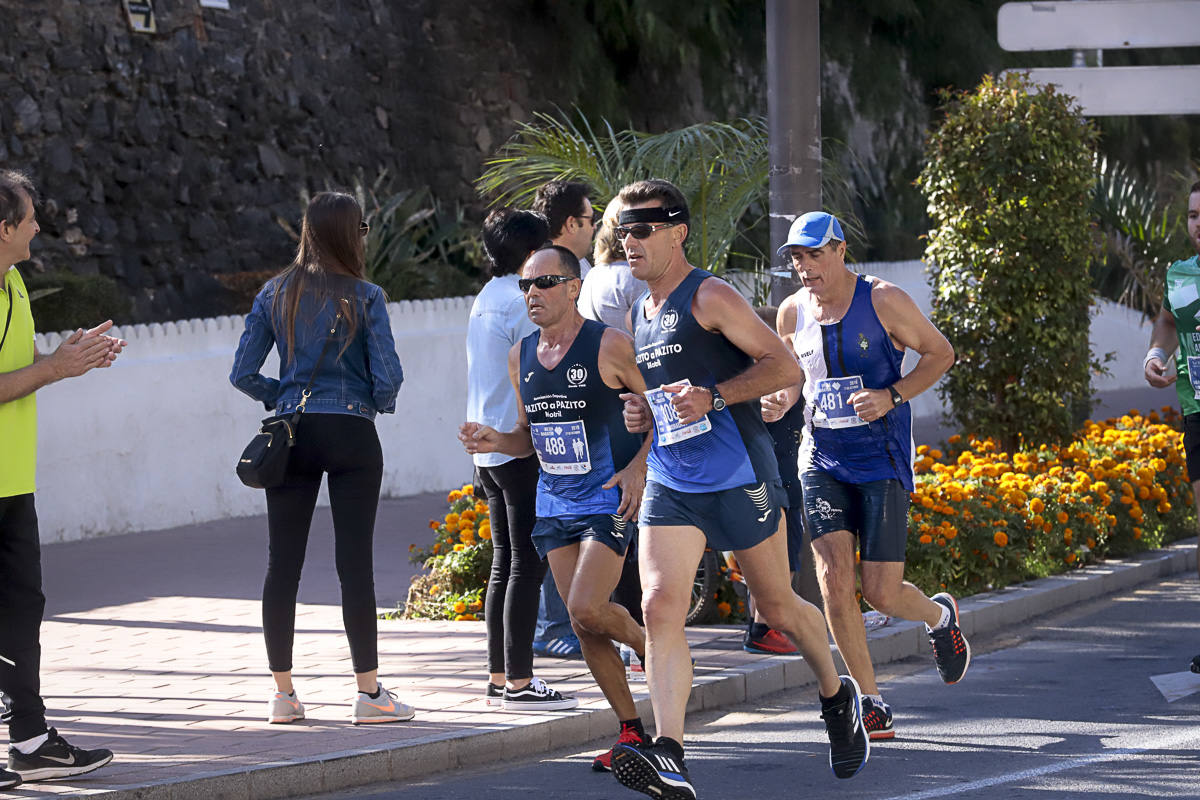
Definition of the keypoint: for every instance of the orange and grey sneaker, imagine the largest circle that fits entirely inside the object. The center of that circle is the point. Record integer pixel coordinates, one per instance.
(382, 708)
(951, 652)
(629, 735)
(877, 719)
(284, 708)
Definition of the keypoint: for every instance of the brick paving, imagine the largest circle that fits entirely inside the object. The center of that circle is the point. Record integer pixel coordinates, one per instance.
(152, 646)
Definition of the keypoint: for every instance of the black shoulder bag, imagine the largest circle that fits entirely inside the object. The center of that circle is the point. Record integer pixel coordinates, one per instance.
(263, 464)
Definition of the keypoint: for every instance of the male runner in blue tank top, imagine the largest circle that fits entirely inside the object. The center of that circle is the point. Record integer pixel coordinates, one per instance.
(850, 332)
(569, 376)
(712, 479)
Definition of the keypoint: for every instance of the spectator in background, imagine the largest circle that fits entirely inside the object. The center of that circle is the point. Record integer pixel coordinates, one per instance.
(610, 289)
(567, 207)
(498, 321)
(37, 752)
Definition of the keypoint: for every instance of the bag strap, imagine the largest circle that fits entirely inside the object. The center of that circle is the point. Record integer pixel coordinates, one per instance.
(8, 319)
(304, 394)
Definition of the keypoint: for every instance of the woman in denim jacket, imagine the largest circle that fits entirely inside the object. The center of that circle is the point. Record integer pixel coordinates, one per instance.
(324, 289)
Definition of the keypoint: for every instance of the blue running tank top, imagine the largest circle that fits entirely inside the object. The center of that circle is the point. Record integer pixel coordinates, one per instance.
(727, 448)
(577, 427)
(839, 359)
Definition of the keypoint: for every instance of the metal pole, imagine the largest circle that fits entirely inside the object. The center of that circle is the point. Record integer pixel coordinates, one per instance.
(793, 122)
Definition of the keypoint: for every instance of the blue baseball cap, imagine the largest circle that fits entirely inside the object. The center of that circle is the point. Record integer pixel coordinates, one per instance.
(814, 229)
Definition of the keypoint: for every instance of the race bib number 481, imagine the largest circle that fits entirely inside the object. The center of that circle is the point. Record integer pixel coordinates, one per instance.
(561, 447)
(666, 421)
(832, 402)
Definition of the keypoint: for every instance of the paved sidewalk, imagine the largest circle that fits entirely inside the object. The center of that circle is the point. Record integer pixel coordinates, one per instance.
(153, 647)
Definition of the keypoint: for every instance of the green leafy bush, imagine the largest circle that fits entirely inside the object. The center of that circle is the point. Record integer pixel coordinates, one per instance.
(64, 301)
(1009, 177)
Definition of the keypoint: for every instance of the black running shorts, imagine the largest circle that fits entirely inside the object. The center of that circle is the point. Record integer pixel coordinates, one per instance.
(876, 512)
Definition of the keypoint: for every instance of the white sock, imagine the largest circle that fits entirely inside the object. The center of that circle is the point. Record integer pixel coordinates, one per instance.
(29, 745)
(877, 699)
(944, 621)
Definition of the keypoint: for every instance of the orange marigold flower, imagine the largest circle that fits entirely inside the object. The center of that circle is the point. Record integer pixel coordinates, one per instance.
(1061, 516)
(458, 548)
(925, 538)
(1068, 535)
(433, 524)
(724, 609)
(1000, 538)
(454, 495)
(1037, 506)
(1070, 559)
(460, 607)
(468, 489)
(485, 534)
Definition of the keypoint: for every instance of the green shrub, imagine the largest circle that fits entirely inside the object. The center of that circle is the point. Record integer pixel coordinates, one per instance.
(73, 301)
(1009, 177)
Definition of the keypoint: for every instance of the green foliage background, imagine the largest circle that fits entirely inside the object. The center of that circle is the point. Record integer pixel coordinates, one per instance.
(1009, 178)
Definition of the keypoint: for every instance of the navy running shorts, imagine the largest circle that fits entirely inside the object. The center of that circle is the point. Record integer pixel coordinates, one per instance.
(551, 533)
(876, 512)
(1191, 445)
(732, 519)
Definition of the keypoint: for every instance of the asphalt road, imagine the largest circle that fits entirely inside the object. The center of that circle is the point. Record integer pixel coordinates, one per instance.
(1062, 708)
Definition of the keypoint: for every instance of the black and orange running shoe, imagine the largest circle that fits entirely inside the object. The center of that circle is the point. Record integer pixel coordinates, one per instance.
(951, 652)
(877, 719)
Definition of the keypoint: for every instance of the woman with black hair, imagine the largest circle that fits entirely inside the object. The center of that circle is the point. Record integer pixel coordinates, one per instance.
(338, 364)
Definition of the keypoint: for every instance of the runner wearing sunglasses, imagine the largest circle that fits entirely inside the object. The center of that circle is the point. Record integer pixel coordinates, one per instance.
(712, 480)
(569, 376)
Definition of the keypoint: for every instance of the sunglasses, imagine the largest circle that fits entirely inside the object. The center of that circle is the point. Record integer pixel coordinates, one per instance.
(543, 282)
(642, 230)
(593, 218)
(364, 228)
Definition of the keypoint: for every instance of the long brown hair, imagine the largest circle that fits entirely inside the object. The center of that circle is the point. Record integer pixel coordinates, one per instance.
(331, 243)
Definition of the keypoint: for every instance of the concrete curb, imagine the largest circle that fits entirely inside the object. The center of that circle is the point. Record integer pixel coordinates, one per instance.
(980, 614)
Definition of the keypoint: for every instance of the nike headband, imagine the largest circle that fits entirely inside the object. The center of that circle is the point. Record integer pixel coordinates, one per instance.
(632, 216)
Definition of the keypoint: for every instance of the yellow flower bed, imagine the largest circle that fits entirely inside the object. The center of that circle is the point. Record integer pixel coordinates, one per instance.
(982, 519)
(458, 562)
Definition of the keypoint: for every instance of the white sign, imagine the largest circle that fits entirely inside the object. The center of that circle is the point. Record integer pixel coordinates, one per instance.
(1127, 91)
(1098, 24)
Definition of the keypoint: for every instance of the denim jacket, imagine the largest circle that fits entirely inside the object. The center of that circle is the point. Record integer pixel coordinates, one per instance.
(364, 380)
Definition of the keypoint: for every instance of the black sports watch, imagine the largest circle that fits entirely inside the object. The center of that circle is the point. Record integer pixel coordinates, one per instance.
(717, 401)
(896, 398)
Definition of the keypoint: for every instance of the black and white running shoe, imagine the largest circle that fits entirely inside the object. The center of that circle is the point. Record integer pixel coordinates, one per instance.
(951, 651)
(56, 759)
(537, 696)
(849, 745)
(652, 769)
(9, 779)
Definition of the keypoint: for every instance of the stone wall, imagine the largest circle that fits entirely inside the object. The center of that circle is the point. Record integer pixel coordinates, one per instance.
(165, 160)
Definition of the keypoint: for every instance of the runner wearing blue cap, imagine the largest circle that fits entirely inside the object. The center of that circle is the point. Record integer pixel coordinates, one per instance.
(850, 332)
(712, 480)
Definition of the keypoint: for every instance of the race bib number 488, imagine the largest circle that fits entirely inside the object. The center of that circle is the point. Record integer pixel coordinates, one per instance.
(561, 447)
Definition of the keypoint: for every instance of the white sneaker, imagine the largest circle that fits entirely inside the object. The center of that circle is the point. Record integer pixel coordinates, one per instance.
(285, 708)
(537, 696)
(385, 708)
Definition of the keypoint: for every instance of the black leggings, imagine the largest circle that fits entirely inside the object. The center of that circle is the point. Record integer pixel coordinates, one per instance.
(347, 448)
(511, 606)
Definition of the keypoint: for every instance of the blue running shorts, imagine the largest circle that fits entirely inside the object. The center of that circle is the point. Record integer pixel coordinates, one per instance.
(551, 533)
(876, 512)
(732, 519)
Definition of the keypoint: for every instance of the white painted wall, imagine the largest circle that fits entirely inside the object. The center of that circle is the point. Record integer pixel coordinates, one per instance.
(151, 443)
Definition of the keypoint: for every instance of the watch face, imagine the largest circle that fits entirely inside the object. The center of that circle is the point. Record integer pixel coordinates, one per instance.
(718, 403)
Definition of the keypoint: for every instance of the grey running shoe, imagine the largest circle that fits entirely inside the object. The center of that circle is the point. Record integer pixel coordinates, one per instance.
(284, 708)
(537, 696)
(9, 779)
(849, 745)
(56, 759)
(951, 652)
(385, 708)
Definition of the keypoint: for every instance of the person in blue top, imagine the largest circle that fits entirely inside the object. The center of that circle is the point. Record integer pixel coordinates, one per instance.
(324, 296)
(712, 480)
(850, 332)
(568, 377)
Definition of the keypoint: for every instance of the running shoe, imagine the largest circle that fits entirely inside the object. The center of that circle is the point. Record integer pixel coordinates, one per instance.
(537, 696)
(629, 735)
(877, 717)
(951, 652)
(566, 646)
(284, 708)
(385, 708)
(10, 779)
(493, 698)
(849, 745)
(652, 769)
(772, 642)
(56, 759)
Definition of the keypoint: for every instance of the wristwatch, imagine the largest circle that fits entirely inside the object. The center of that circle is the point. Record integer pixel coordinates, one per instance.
(896, 398)
(718, 402)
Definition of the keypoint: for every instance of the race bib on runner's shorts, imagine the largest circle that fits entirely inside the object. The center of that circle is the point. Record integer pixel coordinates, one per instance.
(561, 447)
(831, 403)
(1193, 366)
(666, 421)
